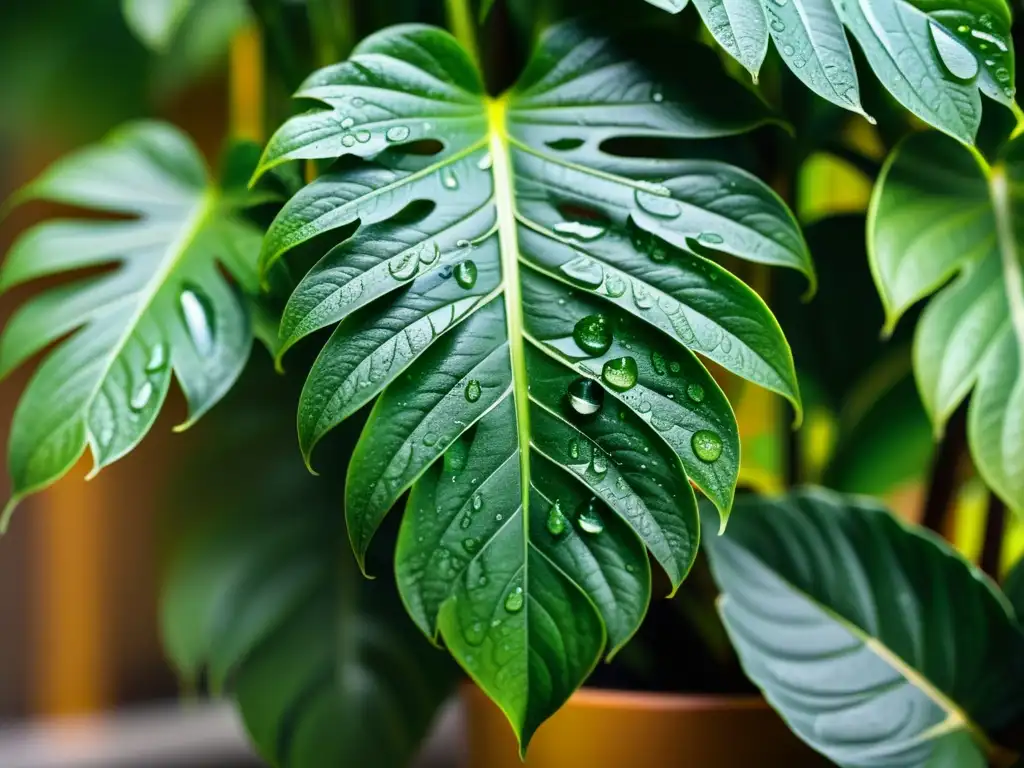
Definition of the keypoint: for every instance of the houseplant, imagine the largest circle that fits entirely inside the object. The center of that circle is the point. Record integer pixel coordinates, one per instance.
(519, 285)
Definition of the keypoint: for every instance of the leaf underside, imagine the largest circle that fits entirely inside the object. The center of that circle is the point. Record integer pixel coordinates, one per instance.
(878, 644)
(936, 57)
(156, 301)
(931, 221)
(527, 304)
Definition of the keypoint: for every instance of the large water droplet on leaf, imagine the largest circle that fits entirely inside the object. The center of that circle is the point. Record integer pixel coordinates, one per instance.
(954, 55)
(514, 600)
(465, 274)
(620, 374)
(586, 396)
(456, 456)
(449, 179)
(198, 314)
(397, 133)
(557, 524)
(485, 162)
(584, 271)
(658, 205)
(614, 285)
(599, 463)
(472, 390)
(580, 230)
(706, 445)
(589, 518)
(593, 334)
(574, 448)
(141, 396)
(404, 265)
(157, 358)
(695, 392)
(347, 123)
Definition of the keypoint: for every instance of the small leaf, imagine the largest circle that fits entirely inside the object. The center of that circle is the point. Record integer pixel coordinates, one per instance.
(906, 655)
(933, 219)
(167, 309)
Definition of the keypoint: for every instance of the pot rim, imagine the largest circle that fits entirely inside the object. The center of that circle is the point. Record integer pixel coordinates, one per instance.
(607, 698)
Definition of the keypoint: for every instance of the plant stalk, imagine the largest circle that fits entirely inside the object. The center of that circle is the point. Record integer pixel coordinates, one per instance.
(462, 25)
(991, 557)
(943, 481)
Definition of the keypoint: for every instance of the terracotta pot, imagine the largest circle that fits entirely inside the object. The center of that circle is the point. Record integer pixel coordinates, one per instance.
(617, 729)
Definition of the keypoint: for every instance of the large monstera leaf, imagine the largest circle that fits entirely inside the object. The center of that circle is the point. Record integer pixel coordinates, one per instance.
(937, 213)
(162, 306)
(933, 56)
(878, 643)
(527, 305)
(272, 611)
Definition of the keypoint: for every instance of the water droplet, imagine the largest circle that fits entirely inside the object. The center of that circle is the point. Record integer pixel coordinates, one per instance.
(674, 368)
(141, 396)
(780, 3)
(198, 314)
(787, 50)
(695, 392)
(449, 179)
(599, 463)
(478, 502)
(465, 274)
(1002, 74)
(472, 390)
(658, 205)
(586, 396)
(430, 439)
(657, 97)
(585, 271)
(470, 545)
(465, 522)
(710, 238)
(347, 123)
(456, 456)
(963, 29)
(429, 255)
(574, 448)
(404, 265)
(485, 162)
(620, 374)
(777, 25)
(557, 524)
(348, 140)
(658, 363)
(363, 136)
(580, 230)
(614, 285)
(589, 519)
(989, 38)
(358, 101)
(593, 334)
(397, 133)
(641, 296)
(954, 55)
(630, 568)
(514, 601)
(157, 358)
(706, 445)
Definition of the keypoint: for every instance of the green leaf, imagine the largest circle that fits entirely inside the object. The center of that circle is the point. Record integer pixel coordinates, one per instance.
(1013, 588)
(933, 56)
(937, 213)
(903, 655)
(166, 308)
(155, 22)
(320, 662)
(525, 304)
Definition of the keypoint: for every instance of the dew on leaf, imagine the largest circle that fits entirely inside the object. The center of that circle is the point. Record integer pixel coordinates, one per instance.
(710, 238)
(449, 179)
(695, 392)
(557, 524)
(198, 314)
(470, 545)
(641, 296)
(430, 439)
(472, 390)
(614, 285)
(574, 448)
(514, 600)
(477, 502)
(593, 334)
(657, 205)
(989, 38)
(429, 255)
(363, 136)
(584, 271)
(585, 396)
(657, 97)
(397, 133)
(599, 463)
(706, 445)
(955, 57)
(141, 396)
(580, 230)
(485, 162)
(465, 274)
(620, 374)
(404, 265)
(658, 363)
(157, 358)
(589, 519)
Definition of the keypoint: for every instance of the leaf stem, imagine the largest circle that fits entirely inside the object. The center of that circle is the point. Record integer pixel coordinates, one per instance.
(991, 556)
(460, 21)
(943, 481)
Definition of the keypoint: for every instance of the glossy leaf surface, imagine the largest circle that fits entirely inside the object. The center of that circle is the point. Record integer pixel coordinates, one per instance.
(877, 643)
(272, 611)
(936, 214)
(936, 57)
(163, 305)
(525, 305)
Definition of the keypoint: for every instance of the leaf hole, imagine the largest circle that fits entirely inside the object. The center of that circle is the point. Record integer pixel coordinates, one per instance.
(564, 145)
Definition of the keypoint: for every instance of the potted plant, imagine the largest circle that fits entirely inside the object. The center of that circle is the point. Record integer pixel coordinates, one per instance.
(530, 282)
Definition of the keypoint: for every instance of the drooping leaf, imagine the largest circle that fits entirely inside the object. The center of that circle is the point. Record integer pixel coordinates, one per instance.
(878, 643)
(525, 305)
(163, 304)
(937, 214)
(934, 56)
(322, 664)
